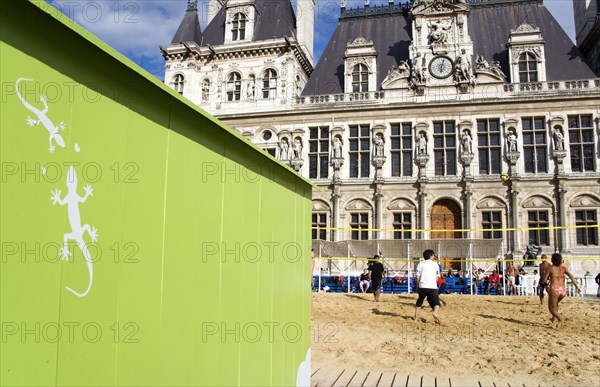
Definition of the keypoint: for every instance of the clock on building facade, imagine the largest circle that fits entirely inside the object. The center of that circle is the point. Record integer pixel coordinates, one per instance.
(441, 67)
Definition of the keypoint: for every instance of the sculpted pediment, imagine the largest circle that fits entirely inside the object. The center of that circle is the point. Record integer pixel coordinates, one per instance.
(537, 202)
(426, 7)
(585, 201)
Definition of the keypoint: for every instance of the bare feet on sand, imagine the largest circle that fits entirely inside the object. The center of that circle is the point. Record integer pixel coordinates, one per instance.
(436, 318)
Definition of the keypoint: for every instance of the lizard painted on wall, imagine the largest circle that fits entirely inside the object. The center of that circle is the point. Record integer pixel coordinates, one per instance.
(72, 200)
(42, 118)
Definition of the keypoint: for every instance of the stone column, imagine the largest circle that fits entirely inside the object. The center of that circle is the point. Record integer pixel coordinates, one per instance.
(562, 240)
(422, 196)
(467, 211)
(335, 213)
(377, 196)
(513, 220)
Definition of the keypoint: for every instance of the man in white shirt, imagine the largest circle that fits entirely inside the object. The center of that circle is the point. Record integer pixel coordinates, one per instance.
(427, 273)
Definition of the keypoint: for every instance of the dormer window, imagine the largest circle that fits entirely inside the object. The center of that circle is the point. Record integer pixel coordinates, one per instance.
(178, 81)
(360, 78)
(269, 89)
(528, 68)
(527, 55)
(234, 87)
(238, 27)
(360, 63)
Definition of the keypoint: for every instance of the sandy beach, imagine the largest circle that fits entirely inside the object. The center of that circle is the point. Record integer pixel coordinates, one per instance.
(508, 338)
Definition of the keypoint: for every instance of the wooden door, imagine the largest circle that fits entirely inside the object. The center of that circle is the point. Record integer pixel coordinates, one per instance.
(445, 217)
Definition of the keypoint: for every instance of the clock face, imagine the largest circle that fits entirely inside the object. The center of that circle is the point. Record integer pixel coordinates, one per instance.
(441, 67)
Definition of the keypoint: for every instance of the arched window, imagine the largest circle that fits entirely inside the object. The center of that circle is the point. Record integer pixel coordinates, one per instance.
(360, 78)
(178, 81)
(238, 27)
(528, 71)
(269, 89)
(234, 87)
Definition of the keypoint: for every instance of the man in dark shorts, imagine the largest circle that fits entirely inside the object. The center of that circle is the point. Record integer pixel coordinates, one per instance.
(376, 272)
(544, 265)
(427, 273)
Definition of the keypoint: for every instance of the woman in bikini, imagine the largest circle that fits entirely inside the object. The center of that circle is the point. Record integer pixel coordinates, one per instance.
(557, 289)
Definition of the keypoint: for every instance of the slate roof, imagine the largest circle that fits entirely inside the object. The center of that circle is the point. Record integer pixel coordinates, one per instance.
(489, 27)
(189, 29)
(275, 19)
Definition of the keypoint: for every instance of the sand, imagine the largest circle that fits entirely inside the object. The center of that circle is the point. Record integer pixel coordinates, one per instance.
(504, 337)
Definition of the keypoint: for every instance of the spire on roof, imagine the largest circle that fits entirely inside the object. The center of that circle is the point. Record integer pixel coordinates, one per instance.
(189, 29)
(192, 5)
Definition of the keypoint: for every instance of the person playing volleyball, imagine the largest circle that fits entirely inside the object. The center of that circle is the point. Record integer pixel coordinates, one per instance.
(557, 289)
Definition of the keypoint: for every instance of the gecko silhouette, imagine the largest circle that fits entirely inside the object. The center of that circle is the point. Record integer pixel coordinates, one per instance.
(42, 118)
(72, 200)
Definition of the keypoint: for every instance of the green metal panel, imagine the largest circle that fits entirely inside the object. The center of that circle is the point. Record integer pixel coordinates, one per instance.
(201, 268)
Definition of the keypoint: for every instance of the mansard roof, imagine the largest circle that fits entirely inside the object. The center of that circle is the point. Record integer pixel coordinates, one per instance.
(275, 19)
(490, 23)
(189, 29)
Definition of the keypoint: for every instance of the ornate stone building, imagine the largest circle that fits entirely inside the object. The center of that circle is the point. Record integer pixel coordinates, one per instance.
(475, 115)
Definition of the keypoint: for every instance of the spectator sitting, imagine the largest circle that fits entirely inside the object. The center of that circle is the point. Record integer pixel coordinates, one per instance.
(363, 283)
(493, 282)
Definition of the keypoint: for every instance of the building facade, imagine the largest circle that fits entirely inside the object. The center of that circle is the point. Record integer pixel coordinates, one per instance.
(479, 116)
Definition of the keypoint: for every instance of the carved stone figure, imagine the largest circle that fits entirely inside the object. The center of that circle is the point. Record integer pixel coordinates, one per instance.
(464, 71)
(559, 138)
(337, 148)
(482, 64)
(297, 149)
(205, 90)
(512, 141)
(467, 142)
(284, 147)
(251, 93)
(422, 144)
(418, 69)
(438, 31)
(396, 72)
(379, 146)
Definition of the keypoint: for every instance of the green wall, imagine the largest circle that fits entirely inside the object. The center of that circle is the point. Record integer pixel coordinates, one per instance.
(201, 268)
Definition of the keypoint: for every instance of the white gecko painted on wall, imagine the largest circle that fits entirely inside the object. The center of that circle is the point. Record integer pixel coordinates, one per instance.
(42, 118)
(72, 200)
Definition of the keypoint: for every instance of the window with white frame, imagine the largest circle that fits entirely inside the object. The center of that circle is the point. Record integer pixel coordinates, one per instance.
(491, 223)
(360, 149)
(444, 148)
(178, 81)
(234, 87)
(488, 146)
(318, 152)
(586, 222)
(402, 225)
(581, 143)
(360, 78)
(535, 145)
(238, 27)
(269, 89)
(538, 222)
(401, 150)
(528, 68)
(359, 223)
(319, 226)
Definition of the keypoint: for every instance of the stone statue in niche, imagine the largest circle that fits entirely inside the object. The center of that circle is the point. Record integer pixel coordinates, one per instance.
(379, 146)
(297, 148)
(466, 141)
(337, 147)
(559, 139)
(512, 141)
(284, 153)
(421, 144)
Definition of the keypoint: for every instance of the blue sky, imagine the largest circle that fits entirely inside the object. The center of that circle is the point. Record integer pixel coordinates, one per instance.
(137, 27)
